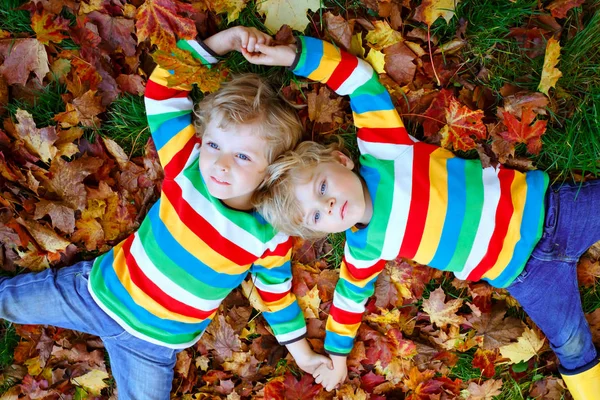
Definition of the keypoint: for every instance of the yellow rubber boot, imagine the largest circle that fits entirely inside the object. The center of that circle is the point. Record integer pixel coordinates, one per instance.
(584, 385)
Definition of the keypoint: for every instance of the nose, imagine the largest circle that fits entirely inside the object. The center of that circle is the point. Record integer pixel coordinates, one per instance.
(329, 204)
(223, 162)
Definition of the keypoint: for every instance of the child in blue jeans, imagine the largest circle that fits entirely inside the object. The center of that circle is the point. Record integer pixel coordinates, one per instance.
(156, 292)
(419, 201)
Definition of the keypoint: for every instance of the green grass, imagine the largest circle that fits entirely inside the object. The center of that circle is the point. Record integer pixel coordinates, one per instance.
(47, 103)
(126, 123)
(14, 20)
(8, 341)
(590, 298)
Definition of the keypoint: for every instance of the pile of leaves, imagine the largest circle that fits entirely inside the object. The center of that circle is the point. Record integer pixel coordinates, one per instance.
(70, 193)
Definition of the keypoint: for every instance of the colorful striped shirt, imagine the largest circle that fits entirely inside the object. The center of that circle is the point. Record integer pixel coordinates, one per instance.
(428, 205)
(165, 282)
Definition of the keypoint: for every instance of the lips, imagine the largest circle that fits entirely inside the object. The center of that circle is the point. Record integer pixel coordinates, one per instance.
(343, 210)
(219, 182)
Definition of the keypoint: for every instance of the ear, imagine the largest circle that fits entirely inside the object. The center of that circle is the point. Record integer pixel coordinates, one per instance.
(344, 160)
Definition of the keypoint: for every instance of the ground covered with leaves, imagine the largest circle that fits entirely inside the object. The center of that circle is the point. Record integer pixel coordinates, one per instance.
(513, 82)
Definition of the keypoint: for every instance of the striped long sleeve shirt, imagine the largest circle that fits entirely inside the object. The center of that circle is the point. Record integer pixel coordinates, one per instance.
(165, 282)
(428, 205)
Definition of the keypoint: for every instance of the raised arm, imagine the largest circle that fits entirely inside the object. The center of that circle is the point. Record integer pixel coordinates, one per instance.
(380, 130)
(169, 109)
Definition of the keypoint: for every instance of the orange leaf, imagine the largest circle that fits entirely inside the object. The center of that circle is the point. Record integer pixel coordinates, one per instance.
(463, 125)
(484, 360)
(48, 28)
(188, 70)
(161, 22)
(440, 312)
(524, 131)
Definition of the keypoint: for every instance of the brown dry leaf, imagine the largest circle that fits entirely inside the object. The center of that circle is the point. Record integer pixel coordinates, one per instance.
(593, 319)
(430, 10)
(495, 331)
(399, 63)
(88, 106)
(116, 32)
(486, 391)
(526, 347)
(339, 29)
(549, 388)
(22, 57)
(38, 141)
(62, 217)
(588, 272)
(550, 74)
(131, 83)
(323, 109)
(45, 237)
(221, 338)
(440, 312)
(67, 179)
(231, 7)
(559, 8)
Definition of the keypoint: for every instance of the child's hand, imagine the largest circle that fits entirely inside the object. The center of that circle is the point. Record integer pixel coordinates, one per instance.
(332, 378)
(238, 38)
(263, 54)
(311, 361)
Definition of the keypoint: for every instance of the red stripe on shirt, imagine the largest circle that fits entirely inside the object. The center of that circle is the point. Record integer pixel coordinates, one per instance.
(177, 163)
(152, 290)
(155, 91)
(504, 213)
(385, 135)
(202, 228)
(363, 273)
(344, 317)
(281, 250)
(343, 70)
(419, 205)
(271, 297)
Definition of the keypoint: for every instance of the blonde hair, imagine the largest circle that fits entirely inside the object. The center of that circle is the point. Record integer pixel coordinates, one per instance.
(275, 198)
(250, 99)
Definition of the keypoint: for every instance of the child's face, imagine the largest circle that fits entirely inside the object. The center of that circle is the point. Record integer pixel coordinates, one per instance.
(334, 198)
(233, 162)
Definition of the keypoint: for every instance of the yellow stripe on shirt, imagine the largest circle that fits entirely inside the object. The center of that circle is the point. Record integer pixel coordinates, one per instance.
(341, 329)
(438, 205)
(513, 233)
(194, 245)
(380, 119)
(329, 62)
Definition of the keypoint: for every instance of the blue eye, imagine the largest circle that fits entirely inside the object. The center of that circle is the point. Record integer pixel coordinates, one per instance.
(317, 216)
(322, 188)
(213, 145)
(243, 157)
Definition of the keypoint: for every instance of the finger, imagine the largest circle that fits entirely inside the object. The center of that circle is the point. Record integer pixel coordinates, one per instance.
(329, 364)
(243, 39)
(251, 43)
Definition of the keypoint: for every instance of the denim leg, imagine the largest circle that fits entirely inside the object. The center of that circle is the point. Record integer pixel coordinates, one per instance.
(55, 297)
(142, 370)
(549, 294)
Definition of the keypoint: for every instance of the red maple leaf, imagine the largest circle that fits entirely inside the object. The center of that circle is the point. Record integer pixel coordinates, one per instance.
(160, 20)
(484, 360)
(524, 131)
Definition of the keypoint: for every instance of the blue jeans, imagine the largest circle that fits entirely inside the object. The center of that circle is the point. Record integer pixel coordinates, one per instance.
(547, 288)
(142, 370)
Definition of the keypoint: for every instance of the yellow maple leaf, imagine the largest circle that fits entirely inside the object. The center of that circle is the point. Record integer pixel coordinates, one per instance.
(310, 303)
(550, 74)
(430, 10)
(527, 346)
(93, 381)
(231, 7)
(440, 312)
(287, 12)
(382, 36)
(356, 47)
(251, 294)
(377, 60)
